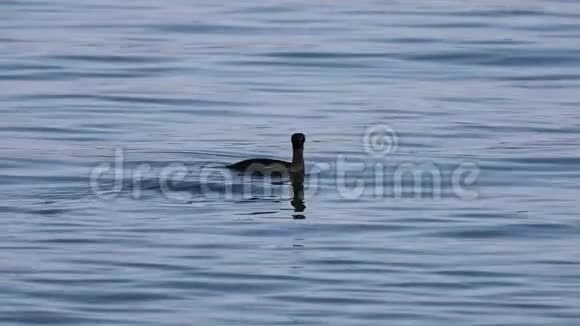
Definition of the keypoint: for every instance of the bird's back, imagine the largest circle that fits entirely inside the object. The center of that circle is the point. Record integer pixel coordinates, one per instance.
(259, 163)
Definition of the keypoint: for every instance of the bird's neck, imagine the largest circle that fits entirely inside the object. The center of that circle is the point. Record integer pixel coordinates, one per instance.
(297, 160)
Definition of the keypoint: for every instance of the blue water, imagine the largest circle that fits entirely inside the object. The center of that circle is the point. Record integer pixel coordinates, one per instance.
(174, 90)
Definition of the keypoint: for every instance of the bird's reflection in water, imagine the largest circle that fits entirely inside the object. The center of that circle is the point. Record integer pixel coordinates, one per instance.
(297, 181)
(277, 175)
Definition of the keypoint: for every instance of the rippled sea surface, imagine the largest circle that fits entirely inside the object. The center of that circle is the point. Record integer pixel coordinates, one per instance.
(117, 118)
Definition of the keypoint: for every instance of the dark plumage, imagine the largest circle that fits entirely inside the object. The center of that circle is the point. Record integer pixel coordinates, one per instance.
(245, 164)
(264, 164)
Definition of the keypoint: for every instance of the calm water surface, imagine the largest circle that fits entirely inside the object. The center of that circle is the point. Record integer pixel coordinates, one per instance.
(182, 85)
